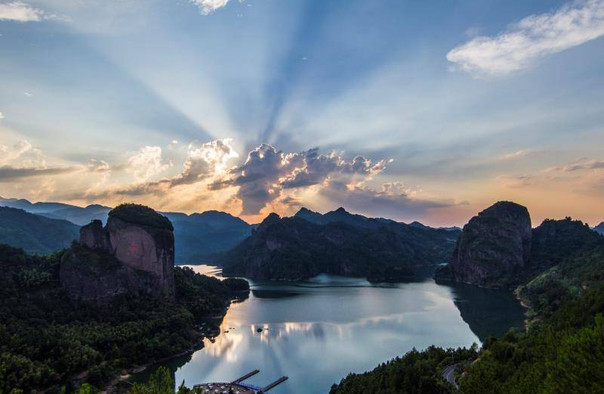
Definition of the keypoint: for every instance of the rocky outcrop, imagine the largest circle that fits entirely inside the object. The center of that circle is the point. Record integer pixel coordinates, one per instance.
(498, 248)
(94, 237)
(132, 254)
(493, 248)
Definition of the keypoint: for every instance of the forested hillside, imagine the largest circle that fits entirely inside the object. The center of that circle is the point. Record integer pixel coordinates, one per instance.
(35, 233)
(46, 340)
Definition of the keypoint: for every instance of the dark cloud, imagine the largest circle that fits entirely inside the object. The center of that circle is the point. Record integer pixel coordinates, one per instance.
(10, 174)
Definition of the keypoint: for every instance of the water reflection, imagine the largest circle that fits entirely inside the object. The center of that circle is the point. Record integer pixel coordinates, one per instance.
(488, 312)
(318, 331)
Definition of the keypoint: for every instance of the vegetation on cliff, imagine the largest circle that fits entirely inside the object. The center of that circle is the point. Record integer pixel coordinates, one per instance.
(140, 214)
(46, 340)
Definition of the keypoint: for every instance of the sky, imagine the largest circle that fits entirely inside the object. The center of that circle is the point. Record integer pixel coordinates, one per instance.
(411, 110)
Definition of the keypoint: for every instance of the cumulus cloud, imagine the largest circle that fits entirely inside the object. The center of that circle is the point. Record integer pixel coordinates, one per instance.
(21, 153)
(1, 116)
(269, 179)
(18, 11)
(208, 6)
(531, 39)
(147, 162)
(203, 162)
(206, 160)
(267, 172)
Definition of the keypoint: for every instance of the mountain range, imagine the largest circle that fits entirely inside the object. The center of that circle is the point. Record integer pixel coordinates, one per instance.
(198, 236)
(34, 233)
(338, 243)
(209, 235)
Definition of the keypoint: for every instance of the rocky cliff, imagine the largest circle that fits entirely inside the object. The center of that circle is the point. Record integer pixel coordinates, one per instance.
(498, 248)
(493, 249)
(133, 253)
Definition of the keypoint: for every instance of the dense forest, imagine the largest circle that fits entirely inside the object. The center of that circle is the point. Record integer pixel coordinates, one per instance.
(48, 341)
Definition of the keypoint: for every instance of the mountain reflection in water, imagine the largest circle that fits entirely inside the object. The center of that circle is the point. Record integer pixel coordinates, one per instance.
(318, 331)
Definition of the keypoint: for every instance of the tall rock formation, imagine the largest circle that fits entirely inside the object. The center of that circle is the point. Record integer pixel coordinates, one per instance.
(133, 254)
(493, 248)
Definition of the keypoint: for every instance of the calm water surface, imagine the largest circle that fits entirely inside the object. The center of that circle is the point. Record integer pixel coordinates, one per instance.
(318, 331)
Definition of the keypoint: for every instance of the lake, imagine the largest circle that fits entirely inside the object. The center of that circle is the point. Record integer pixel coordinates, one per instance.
(317, 331)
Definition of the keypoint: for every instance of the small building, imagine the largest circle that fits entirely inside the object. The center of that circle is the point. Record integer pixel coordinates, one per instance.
(238, 386)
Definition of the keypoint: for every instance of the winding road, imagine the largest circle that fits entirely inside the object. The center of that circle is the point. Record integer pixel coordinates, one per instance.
(449, 374)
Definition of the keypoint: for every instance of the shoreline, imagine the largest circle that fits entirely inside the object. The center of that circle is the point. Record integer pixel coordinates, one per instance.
(112, 385)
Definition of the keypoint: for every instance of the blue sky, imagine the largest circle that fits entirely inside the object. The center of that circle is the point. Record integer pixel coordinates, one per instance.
(447, 106)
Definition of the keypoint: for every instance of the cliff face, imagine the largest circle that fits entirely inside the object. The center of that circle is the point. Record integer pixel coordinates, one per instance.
(134, 253)
(493, 247)
(94, 237)
(498, 248)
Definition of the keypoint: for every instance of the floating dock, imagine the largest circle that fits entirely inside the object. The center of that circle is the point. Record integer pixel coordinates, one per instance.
(238, 386)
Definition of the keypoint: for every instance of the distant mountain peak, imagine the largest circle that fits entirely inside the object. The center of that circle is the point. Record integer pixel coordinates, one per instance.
(271, 218)
(417, 224)
(304, 210)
